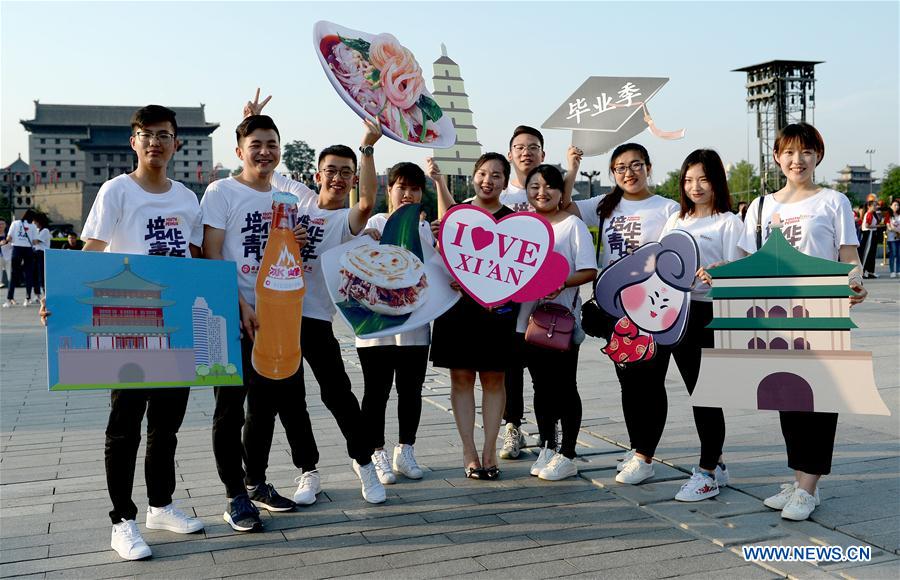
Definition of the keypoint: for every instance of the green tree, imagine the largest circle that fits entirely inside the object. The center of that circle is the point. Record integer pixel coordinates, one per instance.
(218, 370)
(890, 185)
(671, 187)
(743, 181)
(230, 369)
(202, 371)
(300, 159)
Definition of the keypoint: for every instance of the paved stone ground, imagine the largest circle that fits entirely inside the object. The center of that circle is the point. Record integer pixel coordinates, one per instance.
(53, 502)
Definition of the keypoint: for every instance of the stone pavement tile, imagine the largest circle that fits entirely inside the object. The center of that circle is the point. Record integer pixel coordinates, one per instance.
(742, 572)
(441, 569)
(553, 569)
(391, 508)
(522, 504)
(353, 526)
(730, 502)
(281, 549)
(327, 570)
(27, 510)
(886, 571)
(511, 544)
(23, 529)
(667, 553)
(375, 550)
(160, 567)
(8, 555)
(650, 492)
(810, 533)
(722, 563)
(728, 531)
(425, 529)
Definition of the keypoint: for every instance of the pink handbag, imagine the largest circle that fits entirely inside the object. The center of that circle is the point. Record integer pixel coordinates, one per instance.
(551, 326)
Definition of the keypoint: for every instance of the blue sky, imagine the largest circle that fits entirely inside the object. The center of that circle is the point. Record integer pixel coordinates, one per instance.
(65, 285)
(520, 60)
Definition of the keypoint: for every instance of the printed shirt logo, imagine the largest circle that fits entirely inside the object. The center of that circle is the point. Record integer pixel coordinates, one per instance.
(792, 228)
(315, 233)
(165, 237)
(623, 235)
(255, 235)
(285, 274)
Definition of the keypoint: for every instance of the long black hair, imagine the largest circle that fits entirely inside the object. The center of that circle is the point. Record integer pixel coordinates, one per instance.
(612, 199)
(715, 174)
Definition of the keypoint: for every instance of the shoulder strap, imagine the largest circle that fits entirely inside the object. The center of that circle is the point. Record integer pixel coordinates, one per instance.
(599, 243)
(759, 221)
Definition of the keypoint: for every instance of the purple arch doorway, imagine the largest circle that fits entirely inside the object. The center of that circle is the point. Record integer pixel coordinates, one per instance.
(784, 392)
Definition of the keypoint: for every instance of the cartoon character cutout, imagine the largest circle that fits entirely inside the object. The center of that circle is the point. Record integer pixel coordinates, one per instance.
(648, 292)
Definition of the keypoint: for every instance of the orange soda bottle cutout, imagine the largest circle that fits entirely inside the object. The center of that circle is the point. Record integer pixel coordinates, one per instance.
(279, 295)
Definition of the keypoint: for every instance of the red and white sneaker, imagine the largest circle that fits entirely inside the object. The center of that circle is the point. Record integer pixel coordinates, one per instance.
(700, 486)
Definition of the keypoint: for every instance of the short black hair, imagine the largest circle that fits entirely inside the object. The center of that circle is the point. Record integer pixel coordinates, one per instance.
(552, 176)
(803, 133)
(409, 172)
(337, 151)
(254, 122)
(492, 156)
(526, 130)
(152, 114)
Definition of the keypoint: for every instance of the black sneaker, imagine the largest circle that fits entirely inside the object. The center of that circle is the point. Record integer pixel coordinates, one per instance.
(242, 515)
(265, 496)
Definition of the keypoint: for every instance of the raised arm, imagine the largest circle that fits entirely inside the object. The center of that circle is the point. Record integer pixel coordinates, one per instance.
(573, 163)
(444, 199)
(368, 182)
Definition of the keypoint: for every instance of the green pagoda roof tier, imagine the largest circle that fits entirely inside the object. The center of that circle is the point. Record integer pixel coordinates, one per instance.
(126, 280)
(778, 259)
(126, 302)
(781, 324)
(127, 330)
(831, 291)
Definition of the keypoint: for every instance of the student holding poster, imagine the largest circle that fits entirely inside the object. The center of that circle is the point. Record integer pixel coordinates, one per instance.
(553, 372)
(144, 212)
(629, 217)
(706, 215)
(401, 358)
(818, 222)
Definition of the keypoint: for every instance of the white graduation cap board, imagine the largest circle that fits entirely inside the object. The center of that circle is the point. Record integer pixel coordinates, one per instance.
(606, 111)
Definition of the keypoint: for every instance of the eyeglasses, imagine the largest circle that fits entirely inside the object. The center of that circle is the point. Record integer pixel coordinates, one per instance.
(523, 148)
(163, 137)
(634, 166)
(344, 173)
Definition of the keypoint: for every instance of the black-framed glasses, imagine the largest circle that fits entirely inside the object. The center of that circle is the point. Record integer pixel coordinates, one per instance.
(163, 137)
(634, 166)
(345, 173)
(533, 148)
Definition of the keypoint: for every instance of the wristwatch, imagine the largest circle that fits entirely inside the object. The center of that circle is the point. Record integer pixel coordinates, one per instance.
(367, 150)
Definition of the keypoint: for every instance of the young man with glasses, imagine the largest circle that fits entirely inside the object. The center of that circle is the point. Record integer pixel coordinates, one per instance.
(145, 212)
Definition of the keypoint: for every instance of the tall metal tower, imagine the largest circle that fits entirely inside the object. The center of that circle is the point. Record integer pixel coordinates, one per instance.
(780, 91)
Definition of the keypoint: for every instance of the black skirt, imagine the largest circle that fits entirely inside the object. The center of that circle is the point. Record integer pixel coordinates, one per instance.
(469, 336)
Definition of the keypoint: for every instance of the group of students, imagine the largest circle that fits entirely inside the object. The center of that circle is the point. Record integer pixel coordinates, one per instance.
(27, 238)
(232, 221)
(872, 221)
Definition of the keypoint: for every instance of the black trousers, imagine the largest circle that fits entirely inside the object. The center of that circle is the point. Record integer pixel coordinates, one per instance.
(644, 401)
(22, 265)
(514, 378)
(868, 247)
(323, 353)
(165, 411)
(37, 277)
(265, 398)
(381, 367)
(710, 421)
(555, 394)
(809, 438)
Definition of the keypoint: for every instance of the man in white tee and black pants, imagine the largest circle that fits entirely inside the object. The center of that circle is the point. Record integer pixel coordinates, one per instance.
(21, 236)
(144, 212)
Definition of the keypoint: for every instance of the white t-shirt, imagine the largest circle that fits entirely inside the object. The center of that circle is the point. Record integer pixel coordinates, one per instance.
(44, 238)
(22, 233)
(132, 220)
(572, 239)
(515, 198)
(420, 336)
(630, 225)
(817, 226)
(892, 235)
(327, 228)
(717, 237)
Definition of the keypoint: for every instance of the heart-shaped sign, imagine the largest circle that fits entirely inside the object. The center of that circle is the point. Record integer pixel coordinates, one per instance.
(498, 261)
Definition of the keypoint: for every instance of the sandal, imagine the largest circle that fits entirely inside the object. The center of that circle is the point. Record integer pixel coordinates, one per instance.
(491, 473)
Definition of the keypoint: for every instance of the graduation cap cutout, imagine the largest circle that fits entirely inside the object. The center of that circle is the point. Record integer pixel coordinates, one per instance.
(606, 111)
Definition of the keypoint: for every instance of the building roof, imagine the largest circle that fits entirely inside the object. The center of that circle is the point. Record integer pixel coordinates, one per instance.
(778, 259)
(122, 301)
(18, 166)
(126, 280)
(781, 324)
(106, 138)
(102, 115)
(771, 63)
(740, 292)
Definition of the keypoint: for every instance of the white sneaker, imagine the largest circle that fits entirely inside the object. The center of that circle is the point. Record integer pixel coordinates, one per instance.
(781, 499)
(893, 274)
(9, 303)
(543, 460)
(310, 485)
(625, 459)
(405, 462)
(513, 442)
(372, 490)
(173, 519)
(560, 467)
(26, 302)
(800, 506)
(700, 486)
(635, 471)
(722, 477)
(383, 467)
(126, 540)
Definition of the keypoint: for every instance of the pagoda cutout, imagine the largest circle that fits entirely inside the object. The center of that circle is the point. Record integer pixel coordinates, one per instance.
(782, 337)
(450, 93)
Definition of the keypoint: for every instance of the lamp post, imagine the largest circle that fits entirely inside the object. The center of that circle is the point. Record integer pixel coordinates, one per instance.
(590, 177)
(870, 152)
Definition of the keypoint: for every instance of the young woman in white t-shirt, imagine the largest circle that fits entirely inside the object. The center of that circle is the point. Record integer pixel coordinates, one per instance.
(401, 358)
(628, 217)
(893, 238)
(818, 222)
(706, 215)
(553, 372)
